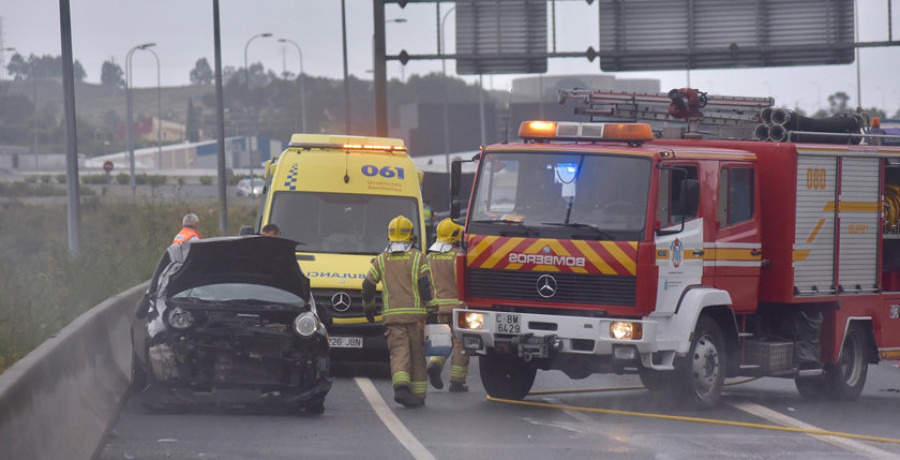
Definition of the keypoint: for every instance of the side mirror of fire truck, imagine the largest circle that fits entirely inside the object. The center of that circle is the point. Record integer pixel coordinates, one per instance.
(455, 177)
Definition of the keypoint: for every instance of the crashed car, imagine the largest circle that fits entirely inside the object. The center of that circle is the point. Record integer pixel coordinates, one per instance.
(230, 321)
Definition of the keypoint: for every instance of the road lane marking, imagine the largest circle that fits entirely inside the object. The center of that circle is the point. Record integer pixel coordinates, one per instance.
(390, 420)
(784, 420)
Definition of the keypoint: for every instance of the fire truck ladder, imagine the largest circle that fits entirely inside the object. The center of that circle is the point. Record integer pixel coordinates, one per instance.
(683, 105)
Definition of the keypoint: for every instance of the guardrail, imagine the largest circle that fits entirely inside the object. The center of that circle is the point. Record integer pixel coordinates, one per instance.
(59, 400)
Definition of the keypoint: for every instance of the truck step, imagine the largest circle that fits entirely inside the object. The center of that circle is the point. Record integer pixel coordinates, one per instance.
(745, 335)
(750, 367)
(804, 373)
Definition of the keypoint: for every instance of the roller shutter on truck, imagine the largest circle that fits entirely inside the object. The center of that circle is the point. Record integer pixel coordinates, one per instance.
(814, 255)
(859, 219)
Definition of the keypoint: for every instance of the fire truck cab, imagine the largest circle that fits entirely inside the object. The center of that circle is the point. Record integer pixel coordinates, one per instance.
(598, 248)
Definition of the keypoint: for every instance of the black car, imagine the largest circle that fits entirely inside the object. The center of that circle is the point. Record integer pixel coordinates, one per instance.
(230, 321)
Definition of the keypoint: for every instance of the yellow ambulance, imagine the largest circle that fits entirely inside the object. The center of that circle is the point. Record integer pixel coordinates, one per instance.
(335, 195)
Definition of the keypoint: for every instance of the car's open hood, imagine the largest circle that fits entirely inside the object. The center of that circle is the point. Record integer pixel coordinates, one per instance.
(249, 259)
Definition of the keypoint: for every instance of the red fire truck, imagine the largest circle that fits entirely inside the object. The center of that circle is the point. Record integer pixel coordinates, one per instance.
(602, 248)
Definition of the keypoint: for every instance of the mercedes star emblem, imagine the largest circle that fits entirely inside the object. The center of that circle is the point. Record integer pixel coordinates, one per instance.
(340, 301)
(546, 286)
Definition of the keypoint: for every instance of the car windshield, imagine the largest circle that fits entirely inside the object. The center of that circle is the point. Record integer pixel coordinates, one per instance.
(563, 195)
(238, 291)
(342, 223)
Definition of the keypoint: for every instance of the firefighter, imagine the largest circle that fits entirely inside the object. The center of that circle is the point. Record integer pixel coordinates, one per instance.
(188, 232)
(408, 298)
(442, 259)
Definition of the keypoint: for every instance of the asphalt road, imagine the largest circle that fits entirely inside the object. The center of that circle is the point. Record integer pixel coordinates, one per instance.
(361, 420)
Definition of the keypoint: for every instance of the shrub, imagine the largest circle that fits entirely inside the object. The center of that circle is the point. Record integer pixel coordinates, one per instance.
(31, 179)
(45, 178)
(98, 179)
(156, 180)
(206, 180)
(123, 178)
(61, 178)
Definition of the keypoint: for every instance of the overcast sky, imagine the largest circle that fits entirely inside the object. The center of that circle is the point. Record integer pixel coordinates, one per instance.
(183, 32)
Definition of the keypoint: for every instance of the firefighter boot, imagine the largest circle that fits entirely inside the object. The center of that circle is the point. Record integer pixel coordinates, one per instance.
(434, 375)
(403, 396)
(458, 387)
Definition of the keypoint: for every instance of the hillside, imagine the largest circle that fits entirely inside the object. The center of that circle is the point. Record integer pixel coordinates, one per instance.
(92, 101)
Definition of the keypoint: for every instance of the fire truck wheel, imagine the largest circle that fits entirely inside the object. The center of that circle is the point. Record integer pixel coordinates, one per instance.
(701, 374)
(506, 377)
(655, 380)
(846, 378)
(812, 388)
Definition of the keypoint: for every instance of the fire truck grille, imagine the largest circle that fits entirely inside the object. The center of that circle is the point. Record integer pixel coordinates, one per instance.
(562, 287)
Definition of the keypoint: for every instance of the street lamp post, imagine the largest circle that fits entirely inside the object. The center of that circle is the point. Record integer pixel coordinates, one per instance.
(159, 159)
(441, 51)
(302, 88)
(129, 104)
(247, 79)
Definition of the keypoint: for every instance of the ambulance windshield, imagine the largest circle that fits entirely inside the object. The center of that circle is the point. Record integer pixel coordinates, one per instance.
(555, 195)
(341, 223)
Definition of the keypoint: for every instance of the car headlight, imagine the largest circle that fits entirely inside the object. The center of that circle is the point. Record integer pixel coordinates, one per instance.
(625, 330)
(469, 320)
(306, 324)
(179, 319)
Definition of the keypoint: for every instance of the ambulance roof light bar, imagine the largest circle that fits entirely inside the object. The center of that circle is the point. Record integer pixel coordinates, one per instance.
(545, 131)
(329, 146)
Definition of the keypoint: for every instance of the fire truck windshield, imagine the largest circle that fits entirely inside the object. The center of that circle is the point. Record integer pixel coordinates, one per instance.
(344, 223)
(561, 195)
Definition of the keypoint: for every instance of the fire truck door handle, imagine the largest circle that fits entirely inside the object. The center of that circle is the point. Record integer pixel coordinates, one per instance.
(756, 252)
(698, 252)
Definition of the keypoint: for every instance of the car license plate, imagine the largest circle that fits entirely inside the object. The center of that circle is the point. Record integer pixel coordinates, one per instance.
(508, 323)
(338, 341)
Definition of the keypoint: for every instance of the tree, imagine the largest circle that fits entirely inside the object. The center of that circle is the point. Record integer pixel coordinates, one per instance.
(111, 75)
(18, 67)
(80, 74)
(838, 102)
(202, 75)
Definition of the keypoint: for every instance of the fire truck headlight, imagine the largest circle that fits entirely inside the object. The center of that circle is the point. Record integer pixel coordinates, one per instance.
(625, 330)
(470, 320)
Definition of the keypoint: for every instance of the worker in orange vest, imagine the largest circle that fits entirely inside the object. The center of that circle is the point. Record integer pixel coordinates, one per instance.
(188, 232)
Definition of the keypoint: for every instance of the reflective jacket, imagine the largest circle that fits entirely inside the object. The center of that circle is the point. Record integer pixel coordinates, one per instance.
(185, 234)
(406, 289)
(443, 271)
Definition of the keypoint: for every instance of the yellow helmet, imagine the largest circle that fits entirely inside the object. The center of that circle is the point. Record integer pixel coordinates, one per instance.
(449, 231)
(400, 230)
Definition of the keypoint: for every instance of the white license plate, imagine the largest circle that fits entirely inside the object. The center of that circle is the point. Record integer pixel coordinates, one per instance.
(508, 323)
(338, 341)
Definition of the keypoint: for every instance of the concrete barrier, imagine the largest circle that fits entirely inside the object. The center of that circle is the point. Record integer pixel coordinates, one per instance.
(58, 401)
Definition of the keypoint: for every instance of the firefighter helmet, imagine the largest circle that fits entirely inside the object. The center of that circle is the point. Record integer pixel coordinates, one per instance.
(400, 230)
(449, 231)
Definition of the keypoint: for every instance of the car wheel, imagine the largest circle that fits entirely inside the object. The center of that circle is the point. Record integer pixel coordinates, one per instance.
(845, 379)
(139, 379)
(316, 407)
(701, 374)
(506, 377)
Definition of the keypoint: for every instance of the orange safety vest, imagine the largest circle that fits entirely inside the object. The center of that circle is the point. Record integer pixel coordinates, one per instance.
(185, 234)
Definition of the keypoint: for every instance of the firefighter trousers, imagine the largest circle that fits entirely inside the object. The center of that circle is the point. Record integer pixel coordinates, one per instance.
(459, 360)
(406, 342)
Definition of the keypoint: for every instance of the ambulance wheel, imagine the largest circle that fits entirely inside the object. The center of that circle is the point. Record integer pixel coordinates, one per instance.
(845, 379)
(701, 374)
(505, 377)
